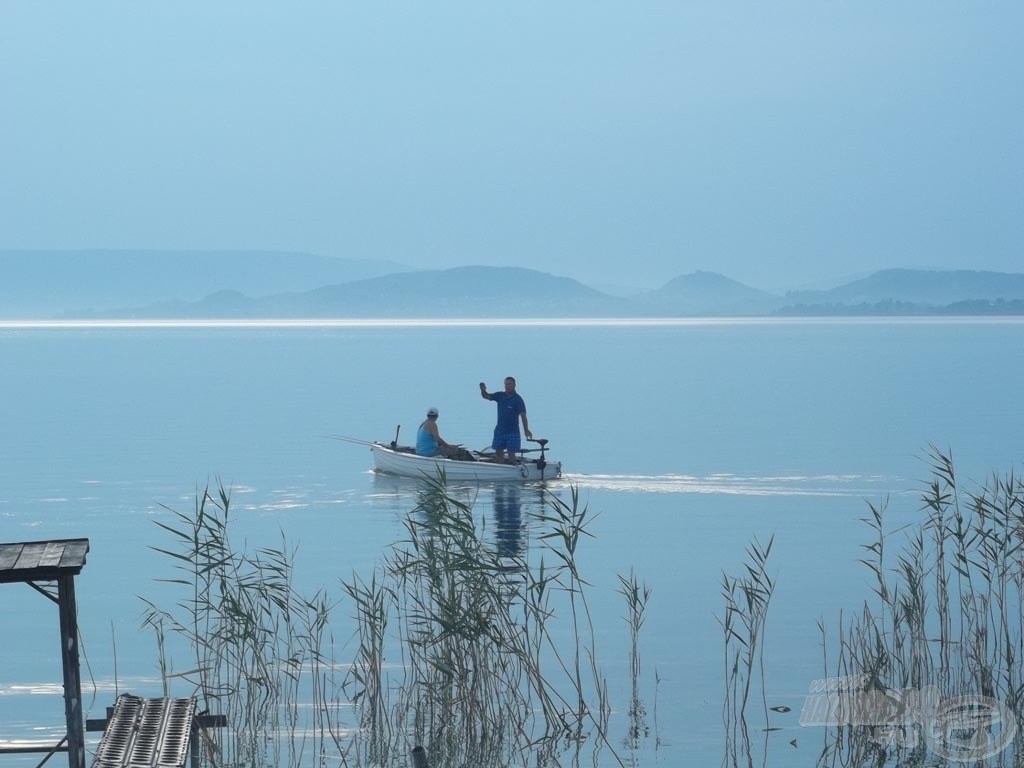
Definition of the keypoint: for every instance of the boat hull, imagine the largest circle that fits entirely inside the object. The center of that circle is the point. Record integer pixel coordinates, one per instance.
(410, 465)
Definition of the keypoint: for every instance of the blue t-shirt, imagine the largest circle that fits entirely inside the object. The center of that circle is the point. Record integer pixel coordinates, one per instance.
(426, 445)
(509, 408)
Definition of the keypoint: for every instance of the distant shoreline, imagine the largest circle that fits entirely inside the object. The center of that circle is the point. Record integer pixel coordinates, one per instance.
(484, 322)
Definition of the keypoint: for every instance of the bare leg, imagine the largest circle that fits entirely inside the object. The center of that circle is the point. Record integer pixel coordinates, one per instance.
(499, 456)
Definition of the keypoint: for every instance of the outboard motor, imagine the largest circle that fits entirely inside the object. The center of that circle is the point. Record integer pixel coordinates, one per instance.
(541, 463)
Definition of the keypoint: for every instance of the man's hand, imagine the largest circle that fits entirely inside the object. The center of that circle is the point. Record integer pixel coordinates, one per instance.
(529, 434)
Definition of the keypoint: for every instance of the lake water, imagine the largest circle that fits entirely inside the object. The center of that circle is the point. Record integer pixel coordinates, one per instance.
(689, 439)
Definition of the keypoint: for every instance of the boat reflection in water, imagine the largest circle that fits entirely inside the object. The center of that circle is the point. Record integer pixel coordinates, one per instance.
(510, 532)
(503, 511)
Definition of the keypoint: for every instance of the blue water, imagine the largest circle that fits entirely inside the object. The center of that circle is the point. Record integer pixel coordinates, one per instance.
(688, 439)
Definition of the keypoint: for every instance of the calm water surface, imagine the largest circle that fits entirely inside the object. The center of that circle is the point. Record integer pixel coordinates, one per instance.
(688, 439)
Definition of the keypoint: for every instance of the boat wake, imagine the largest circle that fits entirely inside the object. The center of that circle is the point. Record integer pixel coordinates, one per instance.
(737, 485)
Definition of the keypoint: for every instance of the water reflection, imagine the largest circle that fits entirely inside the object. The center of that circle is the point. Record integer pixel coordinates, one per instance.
(482, 658)
(510, 531)
(504, 511)
(400, 495)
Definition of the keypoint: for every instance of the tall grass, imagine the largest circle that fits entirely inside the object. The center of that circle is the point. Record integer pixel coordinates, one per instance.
(747, 599)
(470, 654)
(946, 612)
(482, 678)
(255, 643)
(944, 621)
(637, 594)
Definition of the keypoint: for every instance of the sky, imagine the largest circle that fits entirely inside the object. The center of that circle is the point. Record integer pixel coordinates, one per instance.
(784, 144)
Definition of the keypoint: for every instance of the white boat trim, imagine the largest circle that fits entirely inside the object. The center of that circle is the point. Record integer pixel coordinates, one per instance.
(407, 464)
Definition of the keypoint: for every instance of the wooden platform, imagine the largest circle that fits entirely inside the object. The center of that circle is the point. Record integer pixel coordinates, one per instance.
(28, 561)
(36, 563)
(147, 733)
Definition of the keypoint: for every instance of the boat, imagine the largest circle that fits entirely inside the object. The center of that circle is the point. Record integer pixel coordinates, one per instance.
(479, 467)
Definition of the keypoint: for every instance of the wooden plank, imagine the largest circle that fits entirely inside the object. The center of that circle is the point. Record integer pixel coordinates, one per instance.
(52, 554)
(30, 556)
(35, 541)
(9, 554)
(26, 748)
(74, 554)
(95, 724)
(147, 733)
(41, 560)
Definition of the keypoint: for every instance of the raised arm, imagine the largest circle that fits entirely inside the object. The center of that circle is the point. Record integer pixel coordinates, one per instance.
(483, 391)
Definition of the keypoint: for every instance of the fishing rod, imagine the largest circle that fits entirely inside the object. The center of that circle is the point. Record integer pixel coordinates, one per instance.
(344, 439)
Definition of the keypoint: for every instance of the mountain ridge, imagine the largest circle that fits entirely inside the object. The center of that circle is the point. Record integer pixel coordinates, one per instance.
(268, 284)
(459, 291)
(517, 292)
(708, 293)
(37, 283)
(937, 287)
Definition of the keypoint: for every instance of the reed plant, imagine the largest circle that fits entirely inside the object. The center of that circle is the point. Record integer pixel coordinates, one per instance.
(254, 643)
(458, 646)
(481, 677)
(636, 594)
(747, 598)
(946, 613)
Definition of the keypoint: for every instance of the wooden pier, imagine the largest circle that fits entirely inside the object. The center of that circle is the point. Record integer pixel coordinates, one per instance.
(41, 565)
(151, 733)
(147, 733)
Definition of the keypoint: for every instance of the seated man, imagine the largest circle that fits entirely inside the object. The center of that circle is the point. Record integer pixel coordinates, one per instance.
(428, 439)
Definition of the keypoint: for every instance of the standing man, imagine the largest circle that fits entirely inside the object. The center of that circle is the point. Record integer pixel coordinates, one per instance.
(511, 408)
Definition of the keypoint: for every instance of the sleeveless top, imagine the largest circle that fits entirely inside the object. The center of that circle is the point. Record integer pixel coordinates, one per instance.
(426, 445)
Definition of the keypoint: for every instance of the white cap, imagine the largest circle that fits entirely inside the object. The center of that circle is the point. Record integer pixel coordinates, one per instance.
(431, 411)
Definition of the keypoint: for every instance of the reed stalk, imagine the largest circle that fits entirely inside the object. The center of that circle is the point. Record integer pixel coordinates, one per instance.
(948, 615)
(483, 680)
(747, 599)
(637, 595)
(456, 645)
(253, 641)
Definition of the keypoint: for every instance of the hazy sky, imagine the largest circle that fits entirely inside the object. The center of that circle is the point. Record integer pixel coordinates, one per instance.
(779, 143)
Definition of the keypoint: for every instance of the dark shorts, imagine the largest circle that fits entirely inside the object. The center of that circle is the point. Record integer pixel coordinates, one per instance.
(506, 441)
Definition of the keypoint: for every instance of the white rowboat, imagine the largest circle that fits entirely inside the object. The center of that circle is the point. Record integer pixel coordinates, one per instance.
(405, 462)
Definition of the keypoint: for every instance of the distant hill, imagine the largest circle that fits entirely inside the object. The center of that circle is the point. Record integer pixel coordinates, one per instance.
(48, 283)
(933, 288)
(458, 292)
(891, 308)
(268, 284)
(707, 293)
